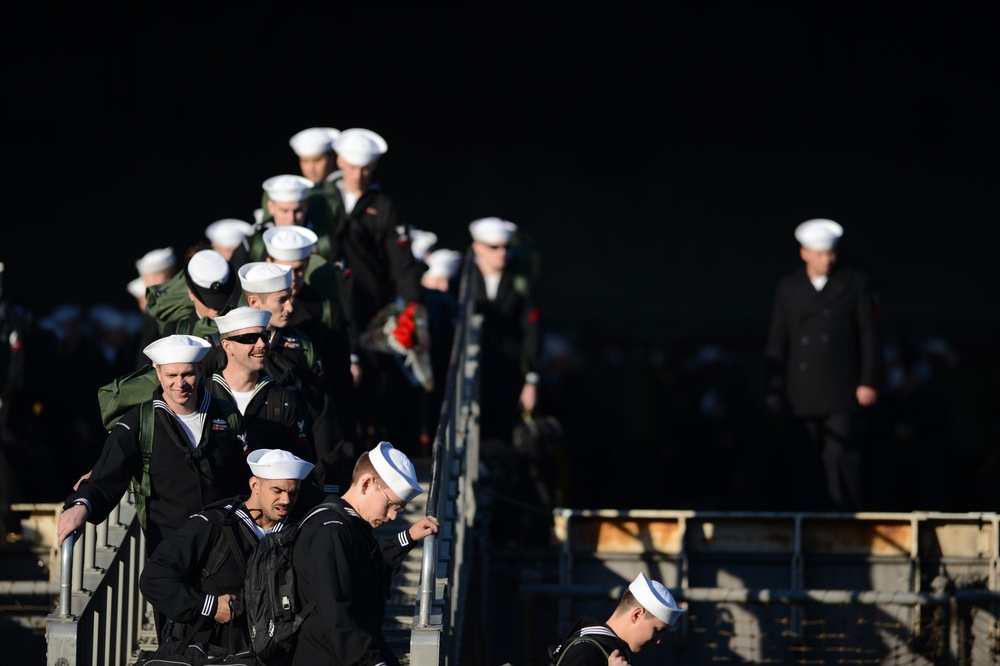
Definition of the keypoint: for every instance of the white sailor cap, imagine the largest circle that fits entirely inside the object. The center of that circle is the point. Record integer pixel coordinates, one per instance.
(314, 141)
(209, 276)
(818, 234)
(137, 287)
(156, 261)
(244, 317)
(228, 232)
(290, 242)
(177, 349)
(655, 598)
(278, 464)
(287, 187)
(421, 241)
(492, 230)
(396, 470)
(443, 263)
(264, 277)
(359, 146)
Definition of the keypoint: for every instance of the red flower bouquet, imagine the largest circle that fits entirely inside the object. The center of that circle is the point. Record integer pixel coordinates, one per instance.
(400, 328)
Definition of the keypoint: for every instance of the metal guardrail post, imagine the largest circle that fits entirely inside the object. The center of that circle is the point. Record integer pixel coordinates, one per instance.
(86, 562)
(66, 577)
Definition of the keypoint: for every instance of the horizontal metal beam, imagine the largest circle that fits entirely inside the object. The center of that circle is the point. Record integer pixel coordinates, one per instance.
(773, 596)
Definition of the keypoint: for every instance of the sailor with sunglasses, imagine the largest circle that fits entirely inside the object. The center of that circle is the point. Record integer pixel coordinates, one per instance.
(276, 415)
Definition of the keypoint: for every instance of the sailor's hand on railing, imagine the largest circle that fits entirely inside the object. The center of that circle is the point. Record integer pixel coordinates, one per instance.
(70, 520)
(424, 527)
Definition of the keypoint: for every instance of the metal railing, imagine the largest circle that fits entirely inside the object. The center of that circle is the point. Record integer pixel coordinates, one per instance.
(789, 588)
(101, 611)
(437, 628)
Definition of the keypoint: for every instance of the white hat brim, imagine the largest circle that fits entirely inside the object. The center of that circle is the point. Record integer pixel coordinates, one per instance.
(396, 470)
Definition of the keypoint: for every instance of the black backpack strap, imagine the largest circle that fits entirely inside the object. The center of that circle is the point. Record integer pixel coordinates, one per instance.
(581, 639)
(223, 547)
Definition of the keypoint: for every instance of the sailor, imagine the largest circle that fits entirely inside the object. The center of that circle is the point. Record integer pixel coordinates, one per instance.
(643, 614)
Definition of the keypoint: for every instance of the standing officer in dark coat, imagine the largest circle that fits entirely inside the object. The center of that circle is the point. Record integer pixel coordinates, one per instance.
(508, 383)
(511, 340)
(824, 361)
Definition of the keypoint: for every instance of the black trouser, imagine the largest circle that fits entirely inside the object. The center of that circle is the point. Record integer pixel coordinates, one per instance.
(826, 463)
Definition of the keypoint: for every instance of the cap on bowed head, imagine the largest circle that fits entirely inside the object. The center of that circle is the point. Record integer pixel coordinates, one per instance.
(818, 234)
(177, 349)
(359, 146)
(421, 241)
(244, 317)
(137, 287)
(287, 187)
(314, 141)
(278, 464)
(396, 470)
(156, 261)
(492, 230)
(290, 242)
(443, 263)
(228, 232)
(209, 277)
(656, 599)
(264, 277)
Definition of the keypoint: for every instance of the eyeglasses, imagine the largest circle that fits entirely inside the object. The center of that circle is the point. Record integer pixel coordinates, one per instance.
(389, 504)
(251, 338)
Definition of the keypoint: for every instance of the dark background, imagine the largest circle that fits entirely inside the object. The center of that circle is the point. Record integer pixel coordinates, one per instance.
(659, 158)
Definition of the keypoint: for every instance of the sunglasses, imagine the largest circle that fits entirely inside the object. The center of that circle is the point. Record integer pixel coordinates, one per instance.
(251, 338)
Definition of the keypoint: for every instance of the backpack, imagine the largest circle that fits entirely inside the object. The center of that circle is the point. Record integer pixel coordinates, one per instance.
(125, 392)
(169, 300)
(557, 658)
(271, 599)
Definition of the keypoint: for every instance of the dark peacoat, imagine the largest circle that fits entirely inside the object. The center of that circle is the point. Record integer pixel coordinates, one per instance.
(822, 345)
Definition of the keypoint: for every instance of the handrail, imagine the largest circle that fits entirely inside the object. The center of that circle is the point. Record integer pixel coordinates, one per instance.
(444, 453)
(830, 597)
(98, 593)
(66, 576)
